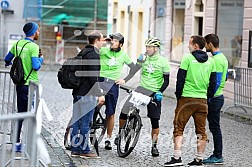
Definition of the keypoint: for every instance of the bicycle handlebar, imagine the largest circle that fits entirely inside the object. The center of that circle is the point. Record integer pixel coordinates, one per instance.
(128, 90)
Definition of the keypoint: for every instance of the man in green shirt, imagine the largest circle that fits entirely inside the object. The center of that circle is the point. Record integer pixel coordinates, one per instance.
(215, 104)
(112, 61)
(32, 60)
(154, 80)
(196, 80)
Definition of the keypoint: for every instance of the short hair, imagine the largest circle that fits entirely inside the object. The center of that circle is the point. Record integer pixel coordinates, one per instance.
(93, 36)
(197, 39)
(213, 38)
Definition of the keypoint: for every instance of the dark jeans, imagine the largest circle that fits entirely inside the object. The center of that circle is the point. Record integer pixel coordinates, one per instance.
(213, 117)
(22, 102)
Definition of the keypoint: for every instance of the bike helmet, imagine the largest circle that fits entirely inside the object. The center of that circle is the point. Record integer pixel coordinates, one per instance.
(117, 36)
(152, 41)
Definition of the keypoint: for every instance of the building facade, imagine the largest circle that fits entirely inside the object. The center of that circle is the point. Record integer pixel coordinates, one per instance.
(174, 21)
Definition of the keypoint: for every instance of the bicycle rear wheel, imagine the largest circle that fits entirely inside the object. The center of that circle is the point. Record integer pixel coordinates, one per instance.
(129, 135)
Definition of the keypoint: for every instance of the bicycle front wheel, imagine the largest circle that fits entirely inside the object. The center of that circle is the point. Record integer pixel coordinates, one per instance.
(129, 135)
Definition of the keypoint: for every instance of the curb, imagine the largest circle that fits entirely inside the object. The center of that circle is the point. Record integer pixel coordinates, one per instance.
(57, 154)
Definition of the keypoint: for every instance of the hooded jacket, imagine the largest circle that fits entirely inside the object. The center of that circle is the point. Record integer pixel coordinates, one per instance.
(201, 57)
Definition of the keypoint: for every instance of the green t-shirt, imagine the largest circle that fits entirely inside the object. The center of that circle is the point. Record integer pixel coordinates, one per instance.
(197, 76)
(152, 72)
(221, 64)
(112, 63)
(30, 50)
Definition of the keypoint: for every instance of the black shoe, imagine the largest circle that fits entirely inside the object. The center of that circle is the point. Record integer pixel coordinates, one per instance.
(116, 141)
(108, 145)
(174, 162)
(196, 162)
(154, 152)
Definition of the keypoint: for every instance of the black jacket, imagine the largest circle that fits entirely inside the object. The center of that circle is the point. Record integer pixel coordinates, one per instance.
(90, 73)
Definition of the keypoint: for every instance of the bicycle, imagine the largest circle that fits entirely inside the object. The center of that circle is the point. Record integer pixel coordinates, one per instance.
(97, 132)
(129, 134)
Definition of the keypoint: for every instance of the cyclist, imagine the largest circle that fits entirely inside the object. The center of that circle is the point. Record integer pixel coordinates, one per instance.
(154, 80)
(112, 62)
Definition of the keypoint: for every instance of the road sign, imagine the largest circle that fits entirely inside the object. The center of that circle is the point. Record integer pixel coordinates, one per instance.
(5, 4)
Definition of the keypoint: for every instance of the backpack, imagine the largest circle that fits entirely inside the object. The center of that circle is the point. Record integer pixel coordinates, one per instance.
(17, 70)
(67, 73)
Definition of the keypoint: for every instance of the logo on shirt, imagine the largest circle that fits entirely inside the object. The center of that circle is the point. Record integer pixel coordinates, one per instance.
(150, 69)
(112, 61)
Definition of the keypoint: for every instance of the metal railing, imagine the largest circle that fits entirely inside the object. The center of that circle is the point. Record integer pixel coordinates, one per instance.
(242, 88)
(7, 101)
(32, 121)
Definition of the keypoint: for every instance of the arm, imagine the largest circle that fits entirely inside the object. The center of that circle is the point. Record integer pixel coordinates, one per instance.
(218, 80)
(94, 74)
(8, 58)
(212, 85)
(181, 76)
(37, 63)
(165, 83)
(133, 69)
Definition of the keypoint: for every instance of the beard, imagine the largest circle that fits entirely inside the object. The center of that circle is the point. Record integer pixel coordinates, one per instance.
(208, 50)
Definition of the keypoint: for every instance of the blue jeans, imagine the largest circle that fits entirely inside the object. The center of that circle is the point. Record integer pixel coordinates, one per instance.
(213, 117)
(83, 110)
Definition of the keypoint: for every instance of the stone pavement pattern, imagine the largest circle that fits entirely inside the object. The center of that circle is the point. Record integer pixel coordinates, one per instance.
(237, 136)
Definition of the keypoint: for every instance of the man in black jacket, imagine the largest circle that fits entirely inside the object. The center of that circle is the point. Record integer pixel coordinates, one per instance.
(86, 97)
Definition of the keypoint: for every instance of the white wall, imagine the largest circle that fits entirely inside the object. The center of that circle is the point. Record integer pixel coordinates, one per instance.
(131, 28)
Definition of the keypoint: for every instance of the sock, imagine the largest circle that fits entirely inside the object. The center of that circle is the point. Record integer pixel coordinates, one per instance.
(154, 143)
(177, 154)
(107, 137)
(199, 156)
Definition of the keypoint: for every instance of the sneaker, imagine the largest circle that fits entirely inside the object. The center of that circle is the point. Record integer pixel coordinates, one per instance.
(174, 162)
(154, 152)
(18, 147)
(108, 145)
(75, 154)
(213, 160)
(89, 155)
(116, 141)
(196, 162)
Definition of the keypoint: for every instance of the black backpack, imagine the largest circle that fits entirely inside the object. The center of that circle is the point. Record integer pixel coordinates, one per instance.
(67, 73)
(17, 70)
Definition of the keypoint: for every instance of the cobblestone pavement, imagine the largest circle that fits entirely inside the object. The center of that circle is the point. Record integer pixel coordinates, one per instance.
(237, 135)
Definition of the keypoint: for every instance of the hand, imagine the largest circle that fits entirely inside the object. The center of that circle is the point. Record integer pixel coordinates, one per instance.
(158, 96)
(141, 58)
(120, 81)
(101, 100)
(6, 65)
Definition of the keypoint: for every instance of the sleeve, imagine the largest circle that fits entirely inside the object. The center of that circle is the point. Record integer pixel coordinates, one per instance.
(8, 58)
(94, 73)
(166, 67)
(11, 54)
(127, 59)
(36, 60)
(184, 63)
(212, 82)
(181, 76)
(37, 63)
(165, 83)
